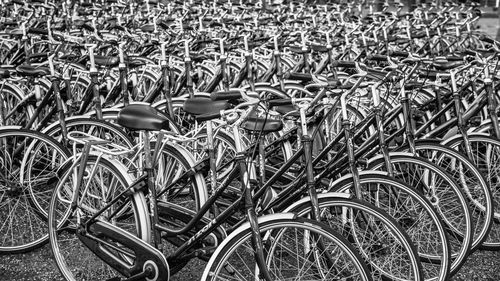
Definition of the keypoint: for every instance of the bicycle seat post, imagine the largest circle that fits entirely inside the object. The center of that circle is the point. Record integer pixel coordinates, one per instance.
(249, 63)
(248, 199)
(123, 74)
(410, 123)
(492, 101)
(346, 125)
(188, 65)
(223, 65)
(59, 103)
(5, 75)
(307, 143)
(211, 155)
(379, 119)
(148, 168)
(305, 53)
(279, 67)
(167, 83)
(94, 82)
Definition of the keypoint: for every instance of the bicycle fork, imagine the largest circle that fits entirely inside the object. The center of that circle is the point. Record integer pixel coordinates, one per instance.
(459, 112)
(257, 242)
(492, 103)
(307, 141)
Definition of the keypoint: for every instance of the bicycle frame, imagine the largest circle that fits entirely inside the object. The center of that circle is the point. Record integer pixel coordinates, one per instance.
(148, 180)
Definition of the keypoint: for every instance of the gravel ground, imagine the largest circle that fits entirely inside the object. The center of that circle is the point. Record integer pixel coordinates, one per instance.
(489, 26)
(39, 266)
(482, 265)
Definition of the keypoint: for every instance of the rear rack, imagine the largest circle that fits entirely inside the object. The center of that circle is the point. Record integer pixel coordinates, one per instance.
(104, 146)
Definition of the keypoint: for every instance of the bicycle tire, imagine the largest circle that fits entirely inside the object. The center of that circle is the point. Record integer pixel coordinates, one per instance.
(273, 228)
(11, 97)
(24, 189)
(485, 155)
(74, 260)
(470, 179)
(433, 246)
(381, 241)
(444, 194)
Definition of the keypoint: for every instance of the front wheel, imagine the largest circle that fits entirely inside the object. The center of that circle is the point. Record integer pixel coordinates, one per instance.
(295, 248)
(414, 213)
(484, 152)
(380, 239)
(29, 162)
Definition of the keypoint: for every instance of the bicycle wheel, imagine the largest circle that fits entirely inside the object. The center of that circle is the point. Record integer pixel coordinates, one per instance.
(29, 162)
(383, 244)
(16, 110)
(444, 194)
(103, 180)
(413, 212)
(295, 248)
(485, 154)
(469, 178)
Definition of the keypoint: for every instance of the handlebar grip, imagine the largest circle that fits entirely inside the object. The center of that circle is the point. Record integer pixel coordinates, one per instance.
(376, 57)
(262, 38)
(40, 31)
(418, 35)
(279, 102)
(298, 76)
(454, 58)
(215, 24)
(469, 52)
(225, 95)
(87, 27)
(334, 82)
(347, 64)
(39, 55)
(331, 83)
(399, 54)
(208, 116)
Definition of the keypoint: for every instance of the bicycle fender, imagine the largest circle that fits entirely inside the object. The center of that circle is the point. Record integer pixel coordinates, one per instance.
(307, 200)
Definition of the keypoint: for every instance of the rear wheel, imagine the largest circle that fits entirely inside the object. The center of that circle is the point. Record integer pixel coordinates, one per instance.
(103, 180)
